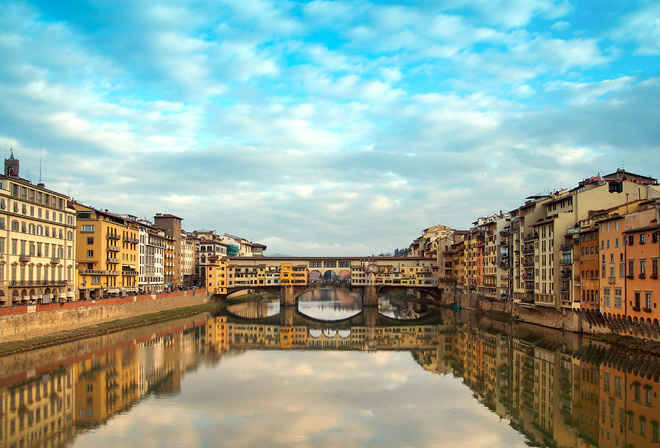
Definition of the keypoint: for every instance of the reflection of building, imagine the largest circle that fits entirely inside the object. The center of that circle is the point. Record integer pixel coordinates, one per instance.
(38, 411)
(105, 385)
(217, 334)
(292, 337)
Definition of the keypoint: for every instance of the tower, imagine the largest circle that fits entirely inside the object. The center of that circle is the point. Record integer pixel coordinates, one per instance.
(11, 166)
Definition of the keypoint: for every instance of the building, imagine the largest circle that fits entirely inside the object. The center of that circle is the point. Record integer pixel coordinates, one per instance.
(172, 226)
(107, 253)
(37, 241)
(152, 247)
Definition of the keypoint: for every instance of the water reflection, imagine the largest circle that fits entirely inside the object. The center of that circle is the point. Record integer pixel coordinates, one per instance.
(358, 384)
(399, 308)
(256, 310)
(329, 304)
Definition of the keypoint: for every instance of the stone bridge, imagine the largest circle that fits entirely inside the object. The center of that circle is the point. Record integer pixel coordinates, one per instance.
(369, 294)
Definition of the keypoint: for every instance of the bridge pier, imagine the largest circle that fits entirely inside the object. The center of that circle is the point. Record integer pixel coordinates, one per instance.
(370, 296)
(288, 295)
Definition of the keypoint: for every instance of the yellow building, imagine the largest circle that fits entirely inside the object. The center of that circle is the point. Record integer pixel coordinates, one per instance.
(293, 275)
(107, 253)
(216, 275)
(37, 241)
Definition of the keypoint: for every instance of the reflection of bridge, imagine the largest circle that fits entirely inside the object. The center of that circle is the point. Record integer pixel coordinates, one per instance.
(368, 317)
(367, 277)
(368, 330)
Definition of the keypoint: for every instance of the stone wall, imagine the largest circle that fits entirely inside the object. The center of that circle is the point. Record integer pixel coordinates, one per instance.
(34, 321)
(575, 321)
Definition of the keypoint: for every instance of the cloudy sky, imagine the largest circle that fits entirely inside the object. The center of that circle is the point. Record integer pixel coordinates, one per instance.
(327, 128)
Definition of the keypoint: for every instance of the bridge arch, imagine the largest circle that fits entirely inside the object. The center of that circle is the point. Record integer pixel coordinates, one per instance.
(330, 276)
(315, 276)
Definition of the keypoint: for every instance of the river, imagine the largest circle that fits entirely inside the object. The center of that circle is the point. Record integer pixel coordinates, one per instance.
(327, 373)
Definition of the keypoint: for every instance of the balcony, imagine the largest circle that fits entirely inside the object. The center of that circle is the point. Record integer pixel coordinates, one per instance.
(55, 260)
(112, 248)
(611, 280)
(24, 258)
(39, 283)
(98, 272)
(129, 273)
(112, 236)
(130, 240)
(113, 260)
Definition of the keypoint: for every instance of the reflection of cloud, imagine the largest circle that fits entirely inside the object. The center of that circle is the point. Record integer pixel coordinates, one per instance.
(363, 403)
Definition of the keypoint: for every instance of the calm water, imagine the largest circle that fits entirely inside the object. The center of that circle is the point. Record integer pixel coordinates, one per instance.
(330, 374)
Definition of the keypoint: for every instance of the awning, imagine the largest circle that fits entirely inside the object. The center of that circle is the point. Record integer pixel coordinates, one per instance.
(113, 291)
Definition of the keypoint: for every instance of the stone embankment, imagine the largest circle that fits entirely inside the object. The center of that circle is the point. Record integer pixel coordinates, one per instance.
(21, 323)
(575, 321)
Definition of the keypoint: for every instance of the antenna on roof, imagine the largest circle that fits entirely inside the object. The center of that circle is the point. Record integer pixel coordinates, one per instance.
(40, 163)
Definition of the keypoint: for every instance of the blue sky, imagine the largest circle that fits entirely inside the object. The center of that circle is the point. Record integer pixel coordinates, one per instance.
(327, 128)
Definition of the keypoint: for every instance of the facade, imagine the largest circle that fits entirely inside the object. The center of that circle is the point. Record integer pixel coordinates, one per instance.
(107, 255)
(188, 259)
(37, 241)
(216, 275)
(172, 226)
(152, 246)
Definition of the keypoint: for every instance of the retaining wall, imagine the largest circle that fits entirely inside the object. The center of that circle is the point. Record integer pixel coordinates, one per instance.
(575, 321)
(34, 321)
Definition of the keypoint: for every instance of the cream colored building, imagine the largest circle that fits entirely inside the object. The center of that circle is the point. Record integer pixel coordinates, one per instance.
(37, 241)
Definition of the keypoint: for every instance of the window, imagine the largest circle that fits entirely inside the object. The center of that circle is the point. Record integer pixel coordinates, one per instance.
(631, 268)
(642, 426)
(90, 240)
(631, 240)
(648, 396)
(654, 267)
(642, 238)
(87, 228)
(90, 254)
(648, 300)
(606, 296)
(617, 297)
(642, 267)
(606, 382)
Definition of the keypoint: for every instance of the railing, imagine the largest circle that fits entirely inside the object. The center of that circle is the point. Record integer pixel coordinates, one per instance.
(55, 260)
(24, 258)
(130, 240)
(38, 283)
(112, 236)
(98, 272)
(113, 248)
(113, 260)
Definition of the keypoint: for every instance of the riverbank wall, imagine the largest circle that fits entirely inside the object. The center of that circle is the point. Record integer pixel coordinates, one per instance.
(571, 320)
(20, 323)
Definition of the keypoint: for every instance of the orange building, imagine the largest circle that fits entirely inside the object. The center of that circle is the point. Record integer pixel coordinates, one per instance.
(642, 286)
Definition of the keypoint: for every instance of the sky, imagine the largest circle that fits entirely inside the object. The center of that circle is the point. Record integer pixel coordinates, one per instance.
(327, 128)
